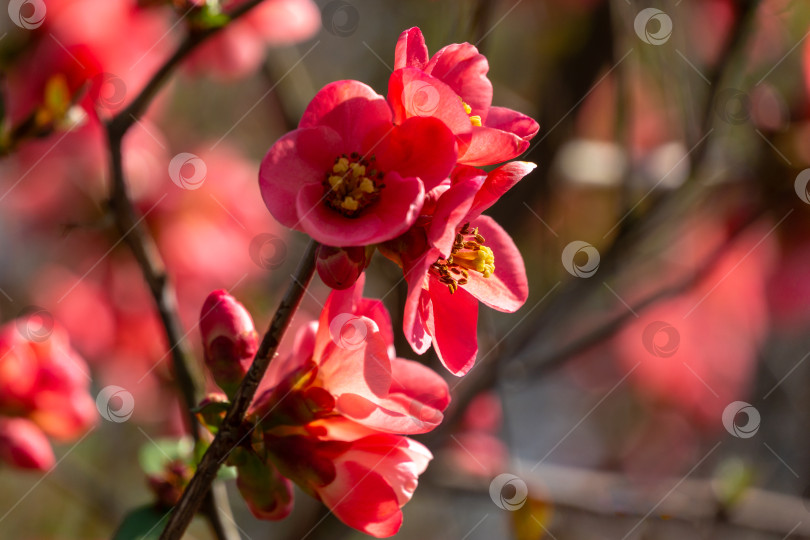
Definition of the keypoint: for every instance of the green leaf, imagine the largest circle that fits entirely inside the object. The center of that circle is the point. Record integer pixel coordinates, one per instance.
(226, 472)
(154, 455)
(144, 523)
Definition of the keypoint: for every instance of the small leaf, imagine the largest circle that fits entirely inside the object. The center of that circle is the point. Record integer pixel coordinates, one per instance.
(154, 456)
(144, 523)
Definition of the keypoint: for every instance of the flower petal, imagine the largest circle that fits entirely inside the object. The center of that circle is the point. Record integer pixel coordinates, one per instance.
(454, 326)
(299, 158)
(412, 92)
(361, 498)
(490, 146)
(451, 211)
(512, 122)
(498, 182)
(395, 211)
(411, 50)
(351, 108)
(420, 147)
(464, 69)
(507, 288)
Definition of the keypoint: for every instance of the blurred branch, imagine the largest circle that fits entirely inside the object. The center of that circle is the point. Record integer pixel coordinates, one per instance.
(228, 435)
(143, 247)
(613, 494)
(129, 115)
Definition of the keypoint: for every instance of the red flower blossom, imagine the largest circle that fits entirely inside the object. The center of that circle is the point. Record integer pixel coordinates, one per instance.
(453, 85)
(454, 258)
(331, 420)
(349, 177)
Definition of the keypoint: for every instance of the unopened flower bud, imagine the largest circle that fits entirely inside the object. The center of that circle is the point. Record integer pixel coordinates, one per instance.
(24, 445)
(229, 339)
(339, 267)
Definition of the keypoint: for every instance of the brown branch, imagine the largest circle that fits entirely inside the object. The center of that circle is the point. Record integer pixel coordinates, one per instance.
(226, 437)
(143, 247)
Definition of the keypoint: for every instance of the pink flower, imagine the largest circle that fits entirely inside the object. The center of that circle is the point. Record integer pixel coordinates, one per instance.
(348, 176)
(43, 391)
(332, 418)
(454, 258)
(453, 85)
(347, 365)
(44, 379)
(23, 445)
(239, 48)
(229, 338)
(364, 477)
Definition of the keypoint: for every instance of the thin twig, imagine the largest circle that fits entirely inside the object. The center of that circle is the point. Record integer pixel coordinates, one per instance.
(143, 247)
(228, 432)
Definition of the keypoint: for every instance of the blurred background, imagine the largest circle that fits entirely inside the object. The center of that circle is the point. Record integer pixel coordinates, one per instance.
(652, 387)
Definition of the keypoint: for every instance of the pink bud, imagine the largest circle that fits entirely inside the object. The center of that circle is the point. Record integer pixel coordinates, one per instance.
(24, 445)
(229, 338)
(339, 267)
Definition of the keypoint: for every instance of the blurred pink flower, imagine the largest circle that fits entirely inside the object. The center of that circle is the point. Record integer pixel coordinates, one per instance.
(238, 50)
(23, 445)
(697, 352)
(44, 383)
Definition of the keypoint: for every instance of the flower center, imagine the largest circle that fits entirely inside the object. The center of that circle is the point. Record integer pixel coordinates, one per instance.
(469, 254)
(352, 184)
(474, 118)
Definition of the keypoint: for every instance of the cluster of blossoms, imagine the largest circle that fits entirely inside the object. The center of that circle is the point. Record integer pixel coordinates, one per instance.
(400, 175)
(333, 414)
(44, 392)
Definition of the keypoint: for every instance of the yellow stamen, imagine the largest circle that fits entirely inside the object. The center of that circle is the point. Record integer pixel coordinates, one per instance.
(353, 183)
(475, 120)
(468, 254)
(350, 203)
